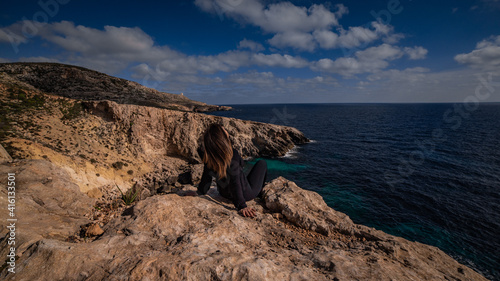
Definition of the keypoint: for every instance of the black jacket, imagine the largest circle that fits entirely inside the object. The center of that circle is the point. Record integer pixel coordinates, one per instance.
(232, 186)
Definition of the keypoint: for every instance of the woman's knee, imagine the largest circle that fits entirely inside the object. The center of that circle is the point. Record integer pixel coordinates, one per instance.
(261, 163)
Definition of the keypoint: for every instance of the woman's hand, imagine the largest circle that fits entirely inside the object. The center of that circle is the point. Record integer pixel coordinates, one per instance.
(248, 212)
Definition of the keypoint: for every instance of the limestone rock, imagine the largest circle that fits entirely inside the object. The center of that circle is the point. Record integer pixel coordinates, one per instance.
(4, 155)
(155, 131)
(170, 237)
(48, 204)
(93, 230)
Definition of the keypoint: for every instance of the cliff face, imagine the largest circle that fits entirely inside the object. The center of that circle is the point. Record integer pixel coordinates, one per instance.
(295, 236)
(105, 143)
(84, 84)
(166, 132)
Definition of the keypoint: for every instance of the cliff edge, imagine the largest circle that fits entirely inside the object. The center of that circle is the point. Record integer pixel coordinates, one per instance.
(295, 236)
(73, 155)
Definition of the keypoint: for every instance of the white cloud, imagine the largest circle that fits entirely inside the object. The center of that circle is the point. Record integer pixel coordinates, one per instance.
(14, 33)
(382, 52)
(416, 53)
(326, 39)
(113, 49)
(251, 45)
(86, 40)
(370, 60)
(277, 60)
(277, 17)
(298, 40)
(301, 28)
(4, 60)
(486, 56)
(254, 78)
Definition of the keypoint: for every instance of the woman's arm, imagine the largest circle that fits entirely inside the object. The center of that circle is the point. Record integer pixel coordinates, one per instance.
(206, 181)
(236, 183)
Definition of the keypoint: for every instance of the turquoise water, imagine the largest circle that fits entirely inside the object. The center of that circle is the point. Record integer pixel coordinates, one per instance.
(381, 165)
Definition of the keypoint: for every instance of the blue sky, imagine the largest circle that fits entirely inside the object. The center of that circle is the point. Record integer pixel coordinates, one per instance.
(251, 51)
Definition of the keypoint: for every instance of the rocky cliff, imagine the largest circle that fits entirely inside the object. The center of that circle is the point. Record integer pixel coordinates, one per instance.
(71, 156)
(85, 84)
(295, 236)
(106, 143)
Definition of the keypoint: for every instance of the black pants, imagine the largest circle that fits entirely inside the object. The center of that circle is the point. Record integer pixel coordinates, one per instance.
(256, 178)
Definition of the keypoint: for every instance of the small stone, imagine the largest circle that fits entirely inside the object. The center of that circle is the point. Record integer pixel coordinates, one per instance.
(94, 230)
(277, 216)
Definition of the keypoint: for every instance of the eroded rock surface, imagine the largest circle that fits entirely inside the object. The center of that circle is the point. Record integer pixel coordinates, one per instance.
(170, 237)
(103, 143)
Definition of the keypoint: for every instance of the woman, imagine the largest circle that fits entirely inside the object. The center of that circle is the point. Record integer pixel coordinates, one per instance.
(226, 165)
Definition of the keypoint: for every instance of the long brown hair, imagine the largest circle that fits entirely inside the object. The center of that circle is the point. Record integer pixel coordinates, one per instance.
(218, 149)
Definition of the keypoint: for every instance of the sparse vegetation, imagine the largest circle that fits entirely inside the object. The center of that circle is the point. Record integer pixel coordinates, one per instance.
(70, 110)
(5, 126)
(20, 100)
(129, 196)
(118, 165)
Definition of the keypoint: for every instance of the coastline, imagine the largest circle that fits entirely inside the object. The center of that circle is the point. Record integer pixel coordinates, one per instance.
(77, 217)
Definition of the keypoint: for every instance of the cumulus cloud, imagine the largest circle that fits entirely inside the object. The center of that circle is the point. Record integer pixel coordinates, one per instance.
(112, 49)
(298, 40)
(370, 60)
(277, 17)
(486, 56)
(416, 53)
(301, 28)
(277, 60)
(15, 34)
(254, 78)
(251, 45)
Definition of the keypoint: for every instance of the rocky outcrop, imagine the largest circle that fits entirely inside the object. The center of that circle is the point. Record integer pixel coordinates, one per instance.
(295, 236)
(166, 132)
(74, 157)
(85, 84)
(106, 143)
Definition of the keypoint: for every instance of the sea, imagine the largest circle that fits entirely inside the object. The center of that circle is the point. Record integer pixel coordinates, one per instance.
(426, 172)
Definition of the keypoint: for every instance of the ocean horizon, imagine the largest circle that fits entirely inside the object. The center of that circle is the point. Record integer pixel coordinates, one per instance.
(428, 172)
